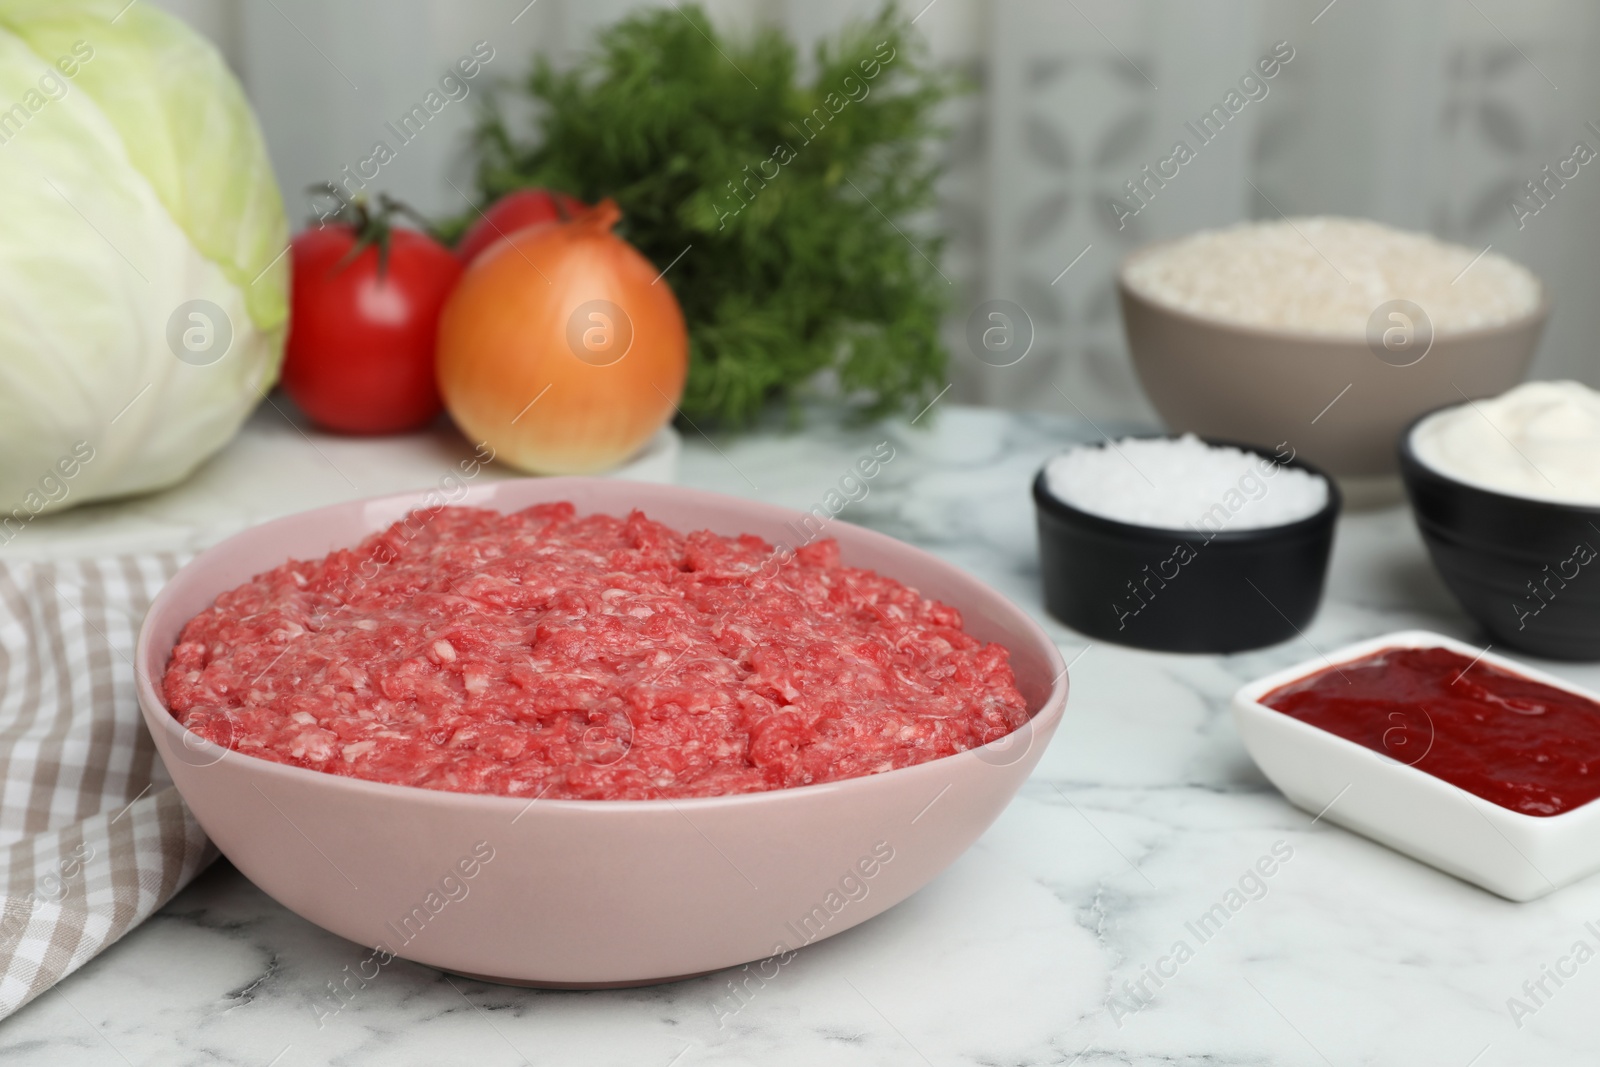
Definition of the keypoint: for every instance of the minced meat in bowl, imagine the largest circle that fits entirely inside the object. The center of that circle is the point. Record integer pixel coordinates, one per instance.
(542, 654)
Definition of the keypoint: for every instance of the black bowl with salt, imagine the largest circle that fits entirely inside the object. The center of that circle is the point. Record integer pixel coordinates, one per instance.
(1207, 586)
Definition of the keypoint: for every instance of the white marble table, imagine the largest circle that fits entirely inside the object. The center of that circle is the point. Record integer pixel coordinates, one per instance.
(1144, 812)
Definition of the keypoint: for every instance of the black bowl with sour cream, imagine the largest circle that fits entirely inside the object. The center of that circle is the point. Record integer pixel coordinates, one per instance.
(1526, 570)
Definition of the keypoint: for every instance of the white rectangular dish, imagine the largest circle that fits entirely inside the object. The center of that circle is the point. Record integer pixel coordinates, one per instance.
(1520, 857)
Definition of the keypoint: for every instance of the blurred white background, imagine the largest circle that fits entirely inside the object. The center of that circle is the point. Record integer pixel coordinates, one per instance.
(1430, 115)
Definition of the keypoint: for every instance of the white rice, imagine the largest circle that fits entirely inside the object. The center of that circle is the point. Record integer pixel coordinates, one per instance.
(1183, 483)
(1327, 275)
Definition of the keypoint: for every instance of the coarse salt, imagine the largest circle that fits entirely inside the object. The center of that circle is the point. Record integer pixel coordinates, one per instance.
(1328, 275)
(1177, 483)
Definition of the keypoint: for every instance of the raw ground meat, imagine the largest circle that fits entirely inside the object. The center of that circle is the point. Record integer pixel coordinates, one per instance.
(538, 654)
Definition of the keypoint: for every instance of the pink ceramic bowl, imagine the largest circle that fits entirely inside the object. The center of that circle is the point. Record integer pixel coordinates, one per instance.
(592, 893)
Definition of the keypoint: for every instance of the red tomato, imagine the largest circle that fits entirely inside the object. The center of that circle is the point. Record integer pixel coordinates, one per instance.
(359, 356)
(513, 212)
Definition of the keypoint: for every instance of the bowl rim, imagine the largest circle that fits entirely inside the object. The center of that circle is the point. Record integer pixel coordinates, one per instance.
(1247, 701)
(1046, 501)
(1411, 461)
(1539, 313)
(1041, 722)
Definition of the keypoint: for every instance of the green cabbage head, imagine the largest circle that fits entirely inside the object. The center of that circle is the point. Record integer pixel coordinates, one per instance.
(143, 298)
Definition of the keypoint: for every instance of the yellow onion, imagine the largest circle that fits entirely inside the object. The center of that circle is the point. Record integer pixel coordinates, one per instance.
(562, 348)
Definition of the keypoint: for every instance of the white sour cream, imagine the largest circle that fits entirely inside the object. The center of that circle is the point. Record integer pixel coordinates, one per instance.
(1540, 440)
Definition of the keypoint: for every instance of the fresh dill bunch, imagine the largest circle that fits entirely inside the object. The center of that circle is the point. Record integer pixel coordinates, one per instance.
(794, 200)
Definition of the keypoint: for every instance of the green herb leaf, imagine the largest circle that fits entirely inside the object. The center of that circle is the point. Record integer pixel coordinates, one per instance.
(785, 191)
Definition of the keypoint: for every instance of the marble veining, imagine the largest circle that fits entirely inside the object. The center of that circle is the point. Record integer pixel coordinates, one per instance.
(1055, 940)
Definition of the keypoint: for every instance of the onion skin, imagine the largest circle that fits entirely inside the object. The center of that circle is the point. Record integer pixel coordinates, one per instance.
(512, 332)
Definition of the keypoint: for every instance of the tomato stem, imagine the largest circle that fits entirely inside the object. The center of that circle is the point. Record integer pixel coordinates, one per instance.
(372, 227)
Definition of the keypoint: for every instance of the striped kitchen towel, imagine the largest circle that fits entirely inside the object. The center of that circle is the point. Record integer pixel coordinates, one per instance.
(93, 837)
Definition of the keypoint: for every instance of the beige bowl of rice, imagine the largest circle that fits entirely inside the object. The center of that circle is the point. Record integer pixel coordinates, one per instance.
(1329, 334)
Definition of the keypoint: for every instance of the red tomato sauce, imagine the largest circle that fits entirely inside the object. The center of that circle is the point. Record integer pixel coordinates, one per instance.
(538, 654)
(1516, 742)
